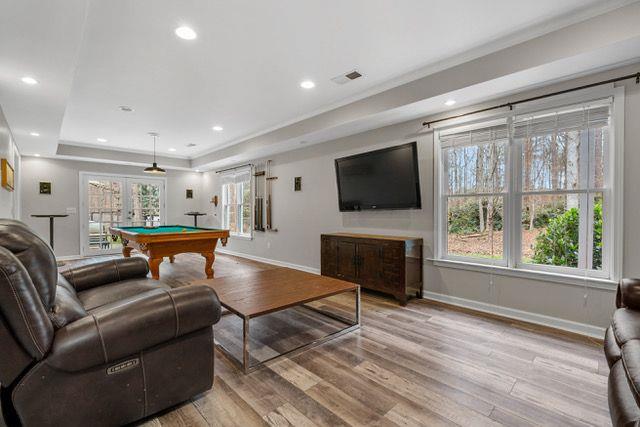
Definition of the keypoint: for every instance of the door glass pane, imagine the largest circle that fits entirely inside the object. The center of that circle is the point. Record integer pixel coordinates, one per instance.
(145, 204)
(104, 203)
(475, 226)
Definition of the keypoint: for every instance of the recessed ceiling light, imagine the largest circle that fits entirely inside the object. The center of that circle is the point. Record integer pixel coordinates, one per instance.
(172, 149)
(186, 33)
(29, 80)
(450, 102)
(101, 140)
(307, 84)
(197, 170)
(217, 128)
(125, 108)
(34, 134)
(37, 155)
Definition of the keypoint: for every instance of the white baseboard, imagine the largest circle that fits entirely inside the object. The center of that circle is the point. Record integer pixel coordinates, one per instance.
(270, 261)
(69, 257)
(526, 316)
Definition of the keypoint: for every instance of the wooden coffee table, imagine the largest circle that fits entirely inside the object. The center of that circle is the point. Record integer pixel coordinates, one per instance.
(270, 291)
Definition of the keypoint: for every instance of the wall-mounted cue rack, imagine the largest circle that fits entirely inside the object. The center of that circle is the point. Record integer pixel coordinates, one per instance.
(263, 199)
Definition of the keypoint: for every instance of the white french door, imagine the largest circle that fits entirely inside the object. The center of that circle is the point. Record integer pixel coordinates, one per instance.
(113, 200)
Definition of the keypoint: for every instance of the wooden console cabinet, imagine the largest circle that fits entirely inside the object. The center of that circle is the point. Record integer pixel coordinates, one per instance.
(388, 264)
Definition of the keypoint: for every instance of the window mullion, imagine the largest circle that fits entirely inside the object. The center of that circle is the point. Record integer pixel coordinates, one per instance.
(515, 198)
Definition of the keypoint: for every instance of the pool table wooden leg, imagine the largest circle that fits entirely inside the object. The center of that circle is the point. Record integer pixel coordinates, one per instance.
(210, 257)
(154, 266)
(126, 251)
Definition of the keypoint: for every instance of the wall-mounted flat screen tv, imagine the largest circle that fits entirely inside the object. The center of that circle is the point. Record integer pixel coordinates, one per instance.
(381, 179)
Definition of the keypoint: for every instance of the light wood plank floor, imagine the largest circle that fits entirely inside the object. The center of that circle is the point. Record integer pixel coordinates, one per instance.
(423, 364)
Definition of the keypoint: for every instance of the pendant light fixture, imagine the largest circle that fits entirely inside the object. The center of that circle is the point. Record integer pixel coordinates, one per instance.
(154, 169)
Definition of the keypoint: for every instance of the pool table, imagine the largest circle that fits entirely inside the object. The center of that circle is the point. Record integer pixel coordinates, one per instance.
(170, 240)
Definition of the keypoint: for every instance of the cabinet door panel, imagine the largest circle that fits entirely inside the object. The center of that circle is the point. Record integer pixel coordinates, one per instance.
(329, 256)
(369, 265)
(346, 267)
(392, 265)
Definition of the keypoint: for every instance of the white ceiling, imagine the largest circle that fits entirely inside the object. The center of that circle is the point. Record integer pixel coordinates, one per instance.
(243, 70)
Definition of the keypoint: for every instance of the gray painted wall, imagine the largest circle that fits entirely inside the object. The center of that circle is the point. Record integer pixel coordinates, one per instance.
(302, 216)
(64, 178)
(9, 200)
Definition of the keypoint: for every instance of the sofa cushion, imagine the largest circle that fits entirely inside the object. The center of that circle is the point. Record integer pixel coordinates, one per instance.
(125, 328)
(622, 405)
(611, 347)
(102, 295)
(626, 325)
(21, 307)
(630, 353)
(100, 273)
(66, 307)
(34, 254)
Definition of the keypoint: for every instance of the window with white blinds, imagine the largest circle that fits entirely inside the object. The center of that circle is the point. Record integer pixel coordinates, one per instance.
(474, 192)
(530, 191)
(237, 201)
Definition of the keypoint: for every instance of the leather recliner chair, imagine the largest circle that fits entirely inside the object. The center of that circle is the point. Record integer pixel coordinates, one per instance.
(622, 349)
(99, 344)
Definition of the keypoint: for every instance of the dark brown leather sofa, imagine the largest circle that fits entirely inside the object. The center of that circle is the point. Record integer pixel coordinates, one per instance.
(99, 344)
(622, 349)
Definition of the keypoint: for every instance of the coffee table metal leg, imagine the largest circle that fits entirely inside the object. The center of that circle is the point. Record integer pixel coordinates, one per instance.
(245, 345)
(358, 306)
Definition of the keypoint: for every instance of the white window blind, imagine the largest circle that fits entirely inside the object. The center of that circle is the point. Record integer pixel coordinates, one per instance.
(562, 121)
(482, 135)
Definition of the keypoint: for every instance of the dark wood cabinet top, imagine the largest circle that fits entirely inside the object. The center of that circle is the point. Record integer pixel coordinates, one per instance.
(374, 236)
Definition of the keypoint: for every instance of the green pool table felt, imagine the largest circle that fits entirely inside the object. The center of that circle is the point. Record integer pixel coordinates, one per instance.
(165, 229)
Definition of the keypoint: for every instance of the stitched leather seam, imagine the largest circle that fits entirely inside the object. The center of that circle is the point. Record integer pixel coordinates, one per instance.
(104, 348)
(22, 313)
(144, 384)
(115, 264)
(175, 309)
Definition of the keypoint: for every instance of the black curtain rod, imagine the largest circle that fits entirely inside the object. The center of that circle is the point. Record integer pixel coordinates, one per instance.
(535, 98)
(235, 167)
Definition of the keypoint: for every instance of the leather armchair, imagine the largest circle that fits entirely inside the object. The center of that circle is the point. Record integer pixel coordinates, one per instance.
(622, 349)
(99, 344)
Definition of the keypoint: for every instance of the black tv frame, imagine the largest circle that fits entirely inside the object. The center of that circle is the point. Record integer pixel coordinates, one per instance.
(418, 205)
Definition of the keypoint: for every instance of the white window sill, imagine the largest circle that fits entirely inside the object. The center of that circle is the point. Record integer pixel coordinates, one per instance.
(567, 279)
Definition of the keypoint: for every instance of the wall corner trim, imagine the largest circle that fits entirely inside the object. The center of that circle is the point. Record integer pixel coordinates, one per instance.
(525, 316)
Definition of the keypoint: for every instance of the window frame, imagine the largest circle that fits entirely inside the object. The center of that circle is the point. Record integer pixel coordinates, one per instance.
(239, 206)
(512, 263)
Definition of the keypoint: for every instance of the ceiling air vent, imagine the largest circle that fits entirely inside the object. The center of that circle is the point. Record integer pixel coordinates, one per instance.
(346, 77)
(191, 144)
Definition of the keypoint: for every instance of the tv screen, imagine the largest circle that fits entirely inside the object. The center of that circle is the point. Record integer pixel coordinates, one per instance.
(381, 179)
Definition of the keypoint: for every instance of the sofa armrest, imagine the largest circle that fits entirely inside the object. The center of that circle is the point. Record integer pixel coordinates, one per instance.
(628, 294)
(101, 273)
(109, 334)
